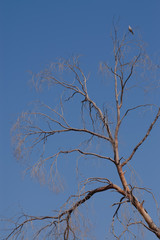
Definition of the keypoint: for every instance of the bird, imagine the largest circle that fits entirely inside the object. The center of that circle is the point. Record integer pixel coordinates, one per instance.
(130, 29)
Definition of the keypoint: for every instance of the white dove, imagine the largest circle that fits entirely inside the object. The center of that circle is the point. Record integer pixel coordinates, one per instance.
(130, 29)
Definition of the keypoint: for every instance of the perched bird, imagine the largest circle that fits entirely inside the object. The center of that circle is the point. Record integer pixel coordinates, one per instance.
(130, 29)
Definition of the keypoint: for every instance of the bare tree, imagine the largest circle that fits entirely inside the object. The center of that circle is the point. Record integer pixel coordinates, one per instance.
(93, 125)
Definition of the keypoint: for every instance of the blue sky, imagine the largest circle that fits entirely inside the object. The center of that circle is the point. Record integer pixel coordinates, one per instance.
(35, 33)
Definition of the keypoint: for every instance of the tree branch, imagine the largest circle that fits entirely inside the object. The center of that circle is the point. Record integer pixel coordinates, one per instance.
(65, 215)
(143, 139)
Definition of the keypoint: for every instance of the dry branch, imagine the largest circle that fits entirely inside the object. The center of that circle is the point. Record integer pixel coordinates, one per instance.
(143, 139)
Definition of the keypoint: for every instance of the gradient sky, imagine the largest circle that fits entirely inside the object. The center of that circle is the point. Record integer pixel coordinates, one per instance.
(34, 33)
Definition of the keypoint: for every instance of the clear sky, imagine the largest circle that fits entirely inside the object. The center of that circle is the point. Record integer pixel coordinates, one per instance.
(34, 33)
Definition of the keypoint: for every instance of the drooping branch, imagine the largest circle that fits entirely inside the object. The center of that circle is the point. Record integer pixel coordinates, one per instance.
(64, 216)
(85, 154)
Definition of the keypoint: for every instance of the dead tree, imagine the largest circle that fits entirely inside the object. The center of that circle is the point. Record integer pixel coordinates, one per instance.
(38, 127)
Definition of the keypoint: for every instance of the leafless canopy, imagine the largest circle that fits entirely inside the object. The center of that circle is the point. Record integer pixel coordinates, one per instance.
(37, 128)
